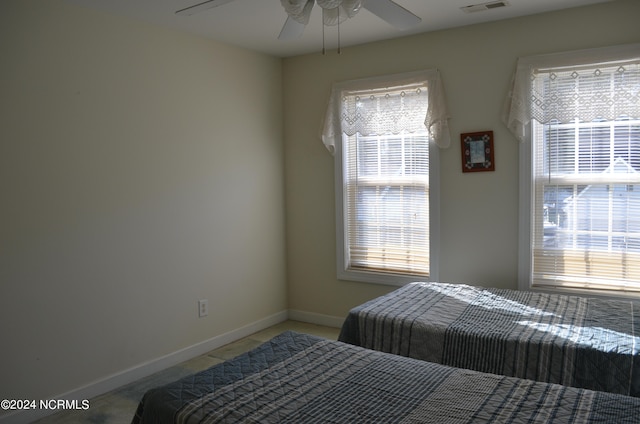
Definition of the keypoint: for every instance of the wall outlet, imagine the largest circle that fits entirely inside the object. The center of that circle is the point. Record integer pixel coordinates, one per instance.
(203, 308)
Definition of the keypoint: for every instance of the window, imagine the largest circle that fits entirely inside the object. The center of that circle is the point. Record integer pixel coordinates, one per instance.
(386, 180)
(382, 132)
(580, 171)
(586, 216)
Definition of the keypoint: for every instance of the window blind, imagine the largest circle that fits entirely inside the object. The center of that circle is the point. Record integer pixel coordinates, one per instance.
(387, 203)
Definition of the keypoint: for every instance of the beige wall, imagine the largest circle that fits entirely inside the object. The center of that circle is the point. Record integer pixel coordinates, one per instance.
(479, 211)
(141, 169)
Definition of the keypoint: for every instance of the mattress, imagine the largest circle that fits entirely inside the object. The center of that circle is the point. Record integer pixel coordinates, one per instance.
(298, 378)
(569, 340)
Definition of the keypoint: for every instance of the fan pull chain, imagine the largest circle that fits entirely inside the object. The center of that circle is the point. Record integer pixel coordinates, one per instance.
(324, 51)
(339, 51)
(324, 48)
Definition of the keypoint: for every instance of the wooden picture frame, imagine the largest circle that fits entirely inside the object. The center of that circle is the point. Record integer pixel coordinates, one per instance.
(477, 151)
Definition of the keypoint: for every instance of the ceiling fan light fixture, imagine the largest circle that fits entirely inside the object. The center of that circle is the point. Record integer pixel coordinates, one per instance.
(298, 10)
(334, 11)
(347, 9)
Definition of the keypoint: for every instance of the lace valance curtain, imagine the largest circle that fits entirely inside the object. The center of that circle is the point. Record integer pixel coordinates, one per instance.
(611, 91)
(408, 102)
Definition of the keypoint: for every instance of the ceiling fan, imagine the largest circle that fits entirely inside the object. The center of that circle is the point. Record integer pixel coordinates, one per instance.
(333, 13)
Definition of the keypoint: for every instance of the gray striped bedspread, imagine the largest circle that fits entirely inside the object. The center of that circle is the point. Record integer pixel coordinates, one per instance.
(570, 340)
(298, 378)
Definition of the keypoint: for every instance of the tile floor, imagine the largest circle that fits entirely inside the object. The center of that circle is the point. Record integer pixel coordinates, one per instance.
(119, 406)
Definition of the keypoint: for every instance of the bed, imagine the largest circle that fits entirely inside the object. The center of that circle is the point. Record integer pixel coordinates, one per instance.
(299, 378)
(569, 340)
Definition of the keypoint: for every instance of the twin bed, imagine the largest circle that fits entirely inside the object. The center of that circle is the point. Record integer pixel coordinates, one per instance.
(430, 353)
(575, 341)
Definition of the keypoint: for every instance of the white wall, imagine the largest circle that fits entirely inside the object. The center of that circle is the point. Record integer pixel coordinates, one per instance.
(479, 211)
(140, 170)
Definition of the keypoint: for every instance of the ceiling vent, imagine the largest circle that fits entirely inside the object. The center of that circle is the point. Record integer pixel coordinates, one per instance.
(485, 6)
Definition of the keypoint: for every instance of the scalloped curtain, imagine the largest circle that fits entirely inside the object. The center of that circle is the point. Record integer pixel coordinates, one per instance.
(572, 89)
(418, 103)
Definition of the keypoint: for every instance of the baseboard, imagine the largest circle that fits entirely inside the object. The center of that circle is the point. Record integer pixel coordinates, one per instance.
(313, 318)
(130, 375)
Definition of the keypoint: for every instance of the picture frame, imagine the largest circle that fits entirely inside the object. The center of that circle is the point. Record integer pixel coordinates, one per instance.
(477, 151)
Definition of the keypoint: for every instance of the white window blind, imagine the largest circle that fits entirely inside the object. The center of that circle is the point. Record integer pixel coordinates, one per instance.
(586, 219)
(387, 202)
(584, 222)
(385, 174)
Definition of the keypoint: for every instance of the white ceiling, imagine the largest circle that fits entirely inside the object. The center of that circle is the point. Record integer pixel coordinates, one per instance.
(255, 24)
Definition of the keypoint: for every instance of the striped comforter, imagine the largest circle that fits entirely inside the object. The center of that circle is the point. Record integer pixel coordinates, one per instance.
(570, 340)
(297, 378)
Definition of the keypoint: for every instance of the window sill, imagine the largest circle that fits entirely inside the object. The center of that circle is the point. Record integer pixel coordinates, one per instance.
(389, 279)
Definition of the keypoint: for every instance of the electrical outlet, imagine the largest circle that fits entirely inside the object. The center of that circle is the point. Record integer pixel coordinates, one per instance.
(203, 308)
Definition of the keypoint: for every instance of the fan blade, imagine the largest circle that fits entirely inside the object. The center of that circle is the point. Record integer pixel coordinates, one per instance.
(192, 10)
(291, 29)
(392, 13)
